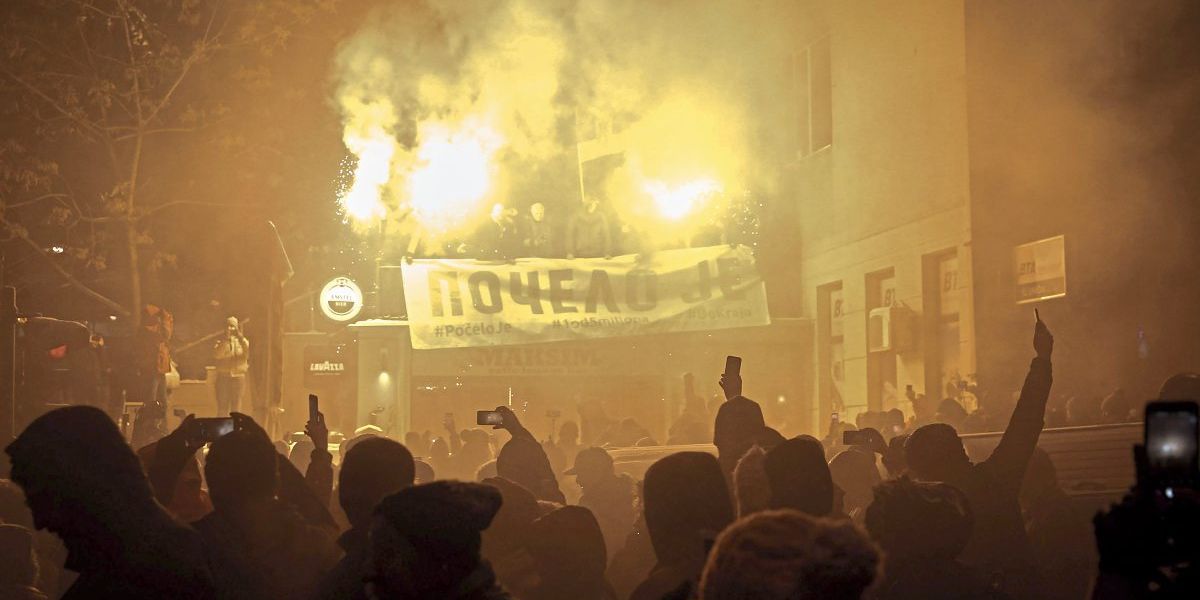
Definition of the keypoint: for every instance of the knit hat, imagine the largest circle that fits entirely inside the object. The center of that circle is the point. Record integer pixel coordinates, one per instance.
(443, 518)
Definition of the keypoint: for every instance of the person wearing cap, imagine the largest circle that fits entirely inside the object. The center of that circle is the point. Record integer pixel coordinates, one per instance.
(425, 543)
(232, 356)
(608, 495)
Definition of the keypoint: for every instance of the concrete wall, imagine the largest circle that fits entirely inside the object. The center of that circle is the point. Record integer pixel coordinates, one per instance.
(893, 185)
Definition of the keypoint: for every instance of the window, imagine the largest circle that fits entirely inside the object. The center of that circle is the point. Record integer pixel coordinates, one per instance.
(814, 92)
(831, 348)
(881, 366)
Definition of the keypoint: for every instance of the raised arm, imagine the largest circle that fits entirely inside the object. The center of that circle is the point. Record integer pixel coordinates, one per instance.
(319, 475)
(1016, 446)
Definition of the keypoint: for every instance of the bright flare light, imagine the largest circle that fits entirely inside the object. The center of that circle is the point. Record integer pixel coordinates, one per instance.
(676, 203)
(374, 151)
(453, 174)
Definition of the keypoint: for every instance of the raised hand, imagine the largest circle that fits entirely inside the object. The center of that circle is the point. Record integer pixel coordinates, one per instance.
(318, 432)
(1043, 342)
(732, 385)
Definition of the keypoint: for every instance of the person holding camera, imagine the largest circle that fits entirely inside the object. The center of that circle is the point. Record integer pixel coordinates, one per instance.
(231, 354)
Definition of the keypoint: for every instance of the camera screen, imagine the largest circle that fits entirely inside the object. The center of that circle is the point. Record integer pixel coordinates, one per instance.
(1171, 439)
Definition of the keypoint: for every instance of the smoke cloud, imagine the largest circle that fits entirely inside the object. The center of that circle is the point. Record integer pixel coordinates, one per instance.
(506, 89)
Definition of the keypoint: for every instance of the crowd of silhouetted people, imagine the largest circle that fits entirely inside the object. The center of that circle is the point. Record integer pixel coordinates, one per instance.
(896, 512)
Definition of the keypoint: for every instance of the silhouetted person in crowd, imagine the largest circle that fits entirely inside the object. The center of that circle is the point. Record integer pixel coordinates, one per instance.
(738, 425)
(423, 472)
(893, 459)
(504, 541)
(1117, 408)
(568, 550)
(425, 543)
(588, 232)
(788, 555)
(923, 528)
(50, 551)
(854, 472)
(608, 495)
(523, 460)
(371, 471)
(686, 504)
(799, 477)
(269, 536)
(1060, 533)
(474, 452)
(951, 413)
(1181, 386)
(187, 501)
(18, 564)
(84, 483)
(935, 453)
(752, 488)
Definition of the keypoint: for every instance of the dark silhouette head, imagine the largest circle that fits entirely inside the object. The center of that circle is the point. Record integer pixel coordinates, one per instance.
(1181, 386)
(951, 413)
(799, 476)
(81, 480)
(686, 504)
(524, 461)
(425, 539)
(241, 470)
(912, 520)
(423, 472)
(510, 527)
(568, 548)
(738, 425)
(788, 555)
(855, 473)
(372, 470)
(894, 460)
(935, 453)
(593, 466)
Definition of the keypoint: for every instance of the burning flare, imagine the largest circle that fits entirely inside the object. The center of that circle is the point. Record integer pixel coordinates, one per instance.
(678, 202)
(452, 175)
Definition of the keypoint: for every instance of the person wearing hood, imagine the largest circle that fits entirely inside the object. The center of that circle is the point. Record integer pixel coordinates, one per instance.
(608, 495)
(923, 528)
(372, 470)
(425, 543)
(568, 550)
(799, 477)
(523, 460)
(738, 426)
(686, 505)
(85, 484)
(231, 354)
(788, 555)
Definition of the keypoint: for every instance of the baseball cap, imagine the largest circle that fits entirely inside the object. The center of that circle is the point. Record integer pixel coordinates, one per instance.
(591, 459)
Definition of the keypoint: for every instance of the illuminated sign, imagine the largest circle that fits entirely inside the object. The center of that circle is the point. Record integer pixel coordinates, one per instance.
(341, 299)
(1041, 269)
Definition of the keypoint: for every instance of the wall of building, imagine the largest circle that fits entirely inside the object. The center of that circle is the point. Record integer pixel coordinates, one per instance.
(891, 188)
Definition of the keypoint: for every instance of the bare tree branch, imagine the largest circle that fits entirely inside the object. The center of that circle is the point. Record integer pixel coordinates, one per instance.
(71, 279)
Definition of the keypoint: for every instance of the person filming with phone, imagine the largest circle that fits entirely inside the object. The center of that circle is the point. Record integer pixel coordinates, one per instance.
(231, 355)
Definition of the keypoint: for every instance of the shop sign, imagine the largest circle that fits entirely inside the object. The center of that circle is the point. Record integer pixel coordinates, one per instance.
(1041, 269)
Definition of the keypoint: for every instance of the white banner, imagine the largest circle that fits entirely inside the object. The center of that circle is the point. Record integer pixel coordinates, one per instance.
(462, 303)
